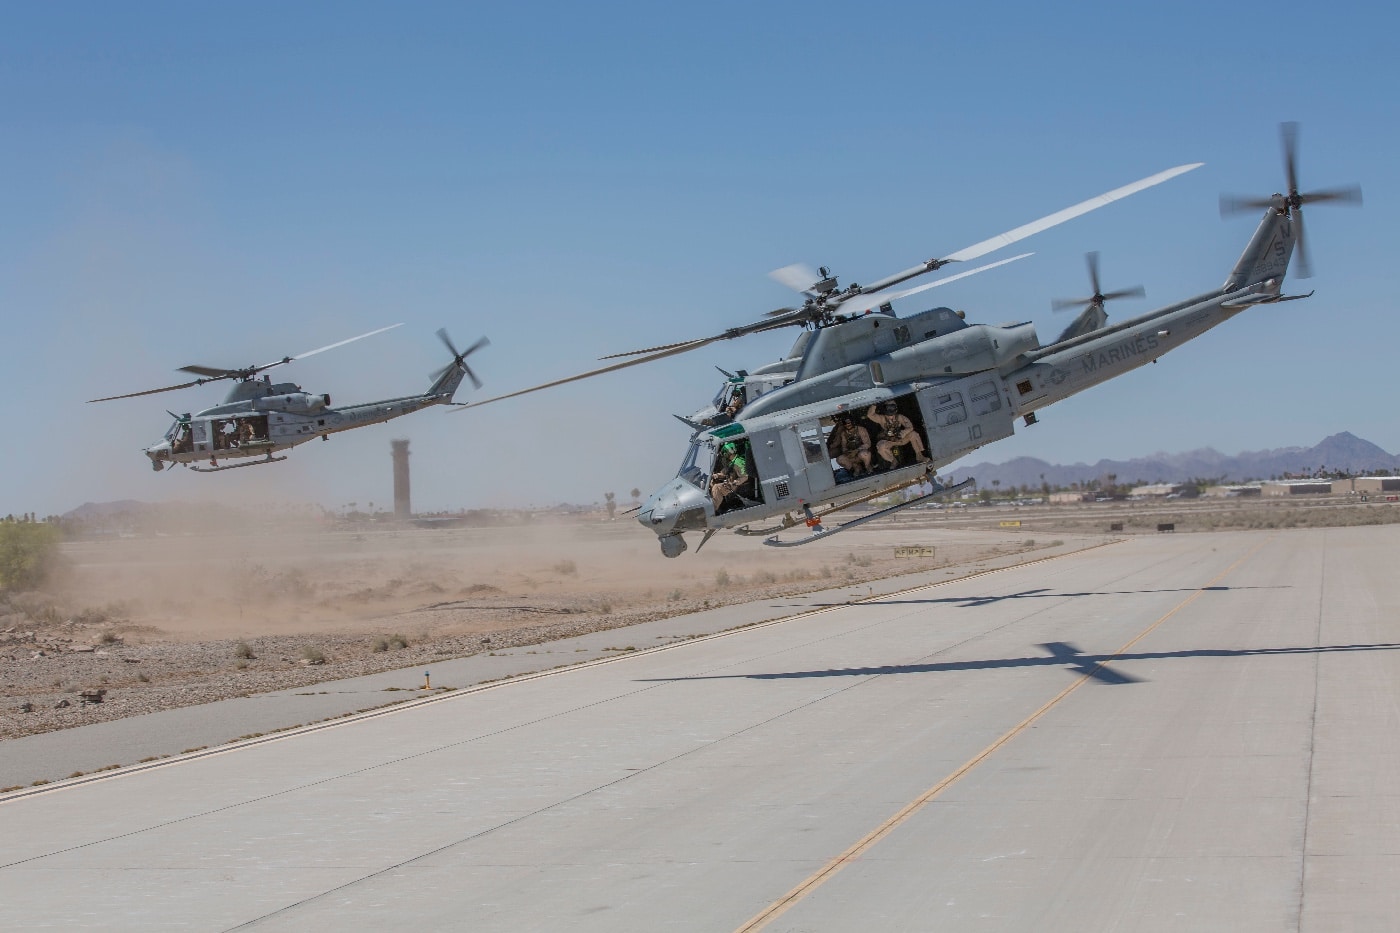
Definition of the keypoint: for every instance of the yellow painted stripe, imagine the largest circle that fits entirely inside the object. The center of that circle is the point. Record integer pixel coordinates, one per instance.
(827, 871)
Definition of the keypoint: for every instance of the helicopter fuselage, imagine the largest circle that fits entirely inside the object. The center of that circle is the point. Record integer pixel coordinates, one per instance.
(260, 419)
(959, 386)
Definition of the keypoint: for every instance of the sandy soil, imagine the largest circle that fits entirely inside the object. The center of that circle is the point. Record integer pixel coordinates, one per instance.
(165, 621)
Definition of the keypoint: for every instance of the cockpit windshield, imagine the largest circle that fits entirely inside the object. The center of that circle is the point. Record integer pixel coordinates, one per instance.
(695, 469)
(174, 431)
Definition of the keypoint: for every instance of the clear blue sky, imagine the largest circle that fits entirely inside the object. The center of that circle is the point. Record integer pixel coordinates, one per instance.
(224, 184)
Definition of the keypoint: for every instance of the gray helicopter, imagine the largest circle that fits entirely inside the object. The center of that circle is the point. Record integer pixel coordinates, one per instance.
(260, 418)
(867, 403)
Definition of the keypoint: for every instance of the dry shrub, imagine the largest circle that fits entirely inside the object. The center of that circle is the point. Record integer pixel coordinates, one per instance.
(28, 554)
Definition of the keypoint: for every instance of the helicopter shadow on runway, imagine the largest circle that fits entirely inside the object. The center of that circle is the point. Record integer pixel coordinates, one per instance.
(974, 602)
(1057, 653)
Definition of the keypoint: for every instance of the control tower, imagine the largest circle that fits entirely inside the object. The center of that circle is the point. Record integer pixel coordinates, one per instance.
(402, 509)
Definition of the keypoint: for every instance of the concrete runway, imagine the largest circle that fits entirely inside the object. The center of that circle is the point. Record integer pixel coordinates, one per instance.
(1189, 732)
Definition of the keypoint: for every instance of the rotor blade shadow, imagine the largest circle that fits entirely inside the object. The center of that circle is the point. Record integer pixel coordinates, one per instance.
(1067, 656)
(1075, 660)
(973, 602)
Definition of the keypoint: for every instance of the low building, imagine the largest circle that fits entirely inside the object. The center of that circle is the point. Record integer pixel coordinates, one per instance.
(1234, 492)
(1311, 487)
(1368, 485)
(1066, 498)
(1163, 490)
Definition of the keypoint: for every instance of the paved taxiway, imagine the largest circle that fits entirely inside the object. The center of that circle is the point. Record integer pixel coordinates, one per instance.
(1184, 732)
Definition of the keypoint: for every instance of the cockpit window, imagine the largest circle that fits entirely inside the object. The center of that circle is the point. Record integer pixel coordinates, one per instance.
(174, 431)
(695, 468)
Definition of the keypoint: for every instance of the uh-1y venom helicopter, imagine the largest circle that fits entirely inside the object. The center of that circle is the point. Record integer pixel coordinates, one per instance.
(931, 387)
(260, 417)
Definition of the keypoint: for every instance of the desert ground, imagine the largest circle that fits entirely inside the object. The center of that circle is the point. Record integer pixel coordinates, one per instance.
(166, 620)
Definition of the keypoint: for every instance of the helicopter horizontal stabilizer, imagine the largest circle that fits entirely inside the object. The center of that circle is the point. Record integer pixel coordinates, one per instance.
(1261, 298)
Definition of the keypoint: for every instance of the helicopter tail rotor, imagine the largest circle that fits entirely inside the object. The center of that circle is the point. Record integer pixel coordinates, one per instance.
(459, 358)
(1093, 316)
(1291, 204)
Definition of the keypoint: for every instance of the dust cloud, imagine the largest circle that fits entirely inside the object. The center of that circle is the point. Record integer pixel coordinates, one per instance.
(232, 579)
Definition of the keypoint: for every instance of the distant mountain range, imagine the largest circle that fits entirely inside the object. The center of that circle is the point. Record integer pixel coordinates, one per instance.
(1343, 451)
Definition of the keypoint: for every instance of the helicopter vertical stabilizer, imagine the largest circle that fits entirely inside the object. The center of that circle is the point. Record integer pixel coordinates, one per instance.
(1267, 255)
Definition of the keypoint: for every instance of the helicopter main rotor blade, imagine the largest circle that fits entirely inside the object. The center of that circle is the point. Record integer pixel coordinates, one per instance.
(991, 244)
(787, 317)
(214, 374)
(329, 346)
(679, 348)
(1069, 213)
(664, 346)
(183, 385)
(803, 279)
(799, 276)
(864, 302)
(208, 372)
(782, 317)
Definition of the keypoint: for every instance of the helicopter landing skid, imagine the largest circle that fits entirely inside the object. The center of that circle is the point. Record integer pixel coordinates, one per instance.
(235, 466)
(818, 532)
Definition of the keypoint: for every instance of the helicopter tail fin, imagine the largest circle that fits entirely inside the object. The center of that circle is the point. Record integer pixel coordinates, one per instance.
(1267, 255)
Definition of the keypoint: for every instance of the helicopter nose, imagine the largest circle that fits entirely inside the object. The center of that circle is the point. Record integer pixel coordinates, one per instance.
(158, 453)
(675, 508)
